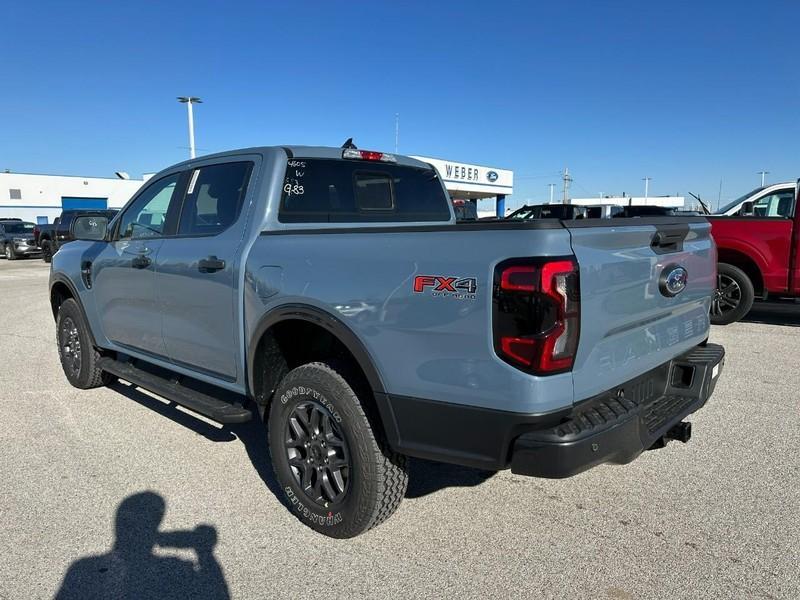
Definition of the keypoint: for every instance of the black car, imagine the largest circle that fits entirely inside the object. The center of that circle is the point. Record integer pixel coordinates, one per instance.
(17, 239)
(654, 211)
(549, 211)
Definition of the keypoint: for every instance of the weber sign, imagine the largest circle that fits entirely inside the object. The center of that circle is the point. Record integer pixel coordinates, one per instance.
(468, 180)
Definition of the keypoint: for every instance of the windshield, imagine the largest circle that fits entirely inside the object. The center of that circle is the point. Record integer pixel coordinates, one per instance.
(730, 205)
(18, 227)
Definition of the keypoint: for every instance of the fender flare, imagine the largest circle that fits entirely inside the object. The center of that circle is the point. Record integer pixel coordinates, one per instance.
(59, 278)
(327, 321)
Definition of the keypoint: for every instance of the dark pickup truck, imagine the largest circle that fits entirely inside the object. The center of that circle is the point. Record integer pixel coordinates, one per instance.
(50, 237)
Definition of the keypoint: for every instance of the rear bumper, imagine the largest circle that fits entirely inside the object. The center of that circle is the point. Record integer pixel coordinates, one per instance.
(615, 426)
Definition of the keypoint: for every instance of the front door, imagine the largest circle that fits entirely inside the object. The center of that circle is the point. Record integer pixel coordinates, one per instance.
(197, 270)
(124, 272)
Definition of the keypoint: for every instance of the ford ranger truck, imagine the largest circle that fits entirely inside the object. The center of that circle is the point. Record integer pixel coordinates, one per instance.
(330, 293)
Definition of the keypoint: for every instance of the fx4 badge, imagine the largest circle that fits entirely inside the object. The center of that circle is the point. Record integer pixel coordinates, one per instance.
(460, 288)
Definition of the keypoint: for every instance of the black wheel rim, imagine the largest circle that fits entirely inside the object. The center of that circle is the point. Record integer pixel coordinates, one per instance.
(70, 344)
(727, 296)
(317, 452)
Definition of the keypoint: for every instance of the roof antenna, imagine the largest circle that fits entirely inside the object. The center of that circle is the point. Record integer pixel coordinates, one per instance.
(349, 144)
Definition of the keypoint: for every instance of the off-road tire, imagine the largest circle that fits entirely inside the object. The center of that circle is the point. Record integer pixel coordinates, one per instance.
(82, 370)
(47, 252)
(11, 254)
(721, 311)
(377, 476)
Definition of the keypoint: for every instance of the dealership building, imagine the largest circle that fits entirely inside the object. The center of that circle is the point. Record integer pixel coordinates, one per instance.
(466, 181)
(41, 198)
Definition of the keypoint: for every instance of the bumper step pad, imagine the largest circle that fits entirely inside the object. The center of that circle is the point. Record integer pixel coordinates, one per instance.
(618, 425)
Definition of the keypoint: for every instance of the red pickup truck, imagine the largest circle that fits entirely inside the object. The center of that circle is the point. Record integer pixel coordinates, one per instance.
(757, 238)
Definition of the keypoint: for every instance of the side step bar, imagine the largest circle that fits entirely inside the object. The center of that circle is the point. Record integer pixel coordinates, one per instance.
(219, 410)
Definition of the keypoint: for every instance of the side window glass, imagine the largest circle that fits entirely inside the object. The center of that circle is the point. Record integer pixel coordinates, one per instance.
(784, 204)
(777, 204)
(761, 206)
(214, 198)
(145, 217)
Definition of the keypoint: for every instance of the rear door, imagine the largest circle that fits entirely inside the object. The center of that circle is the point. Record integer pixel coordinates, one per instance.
(631, 321)
(197, 270)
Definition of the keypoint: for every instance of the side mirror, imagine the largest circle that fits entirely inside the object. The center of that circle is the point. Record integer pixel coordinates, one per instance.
(89, 228)
(747, 208)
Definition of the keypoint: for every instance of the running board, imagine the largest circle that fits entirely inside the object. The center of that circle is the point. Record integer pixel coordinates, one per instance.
(219, 410)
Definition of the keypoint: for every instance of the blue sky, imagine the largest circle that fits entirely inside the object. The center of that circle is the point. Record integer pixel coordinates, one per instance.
(684, 92)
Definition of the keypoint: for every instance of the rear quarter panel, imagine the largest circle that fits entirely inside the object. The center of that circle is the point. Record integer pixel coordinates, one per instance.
(422, 346)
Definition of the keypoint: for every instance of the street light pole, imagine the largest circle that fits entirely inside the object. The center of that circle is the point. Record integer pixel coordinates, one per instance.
(763, 177)
(646, 187)
(188, 101)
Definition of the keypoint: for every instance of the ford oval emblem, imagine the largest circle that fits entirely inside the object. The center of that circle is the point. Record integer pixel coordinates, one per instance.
(673, 280)
(492, 176)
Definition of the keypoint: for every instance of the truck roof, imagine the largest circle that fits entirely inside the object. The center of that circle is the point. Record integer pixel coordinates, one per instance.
(303, 152)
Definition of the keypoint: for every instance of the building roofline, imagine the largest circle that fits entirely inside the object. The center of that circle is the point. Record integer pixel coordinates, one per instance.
(463, 162)
(73, 176)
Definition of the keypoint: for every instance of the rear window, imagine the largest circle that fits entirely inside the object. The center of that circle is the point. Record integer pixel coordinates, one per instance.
(18, 227)
(343, 191)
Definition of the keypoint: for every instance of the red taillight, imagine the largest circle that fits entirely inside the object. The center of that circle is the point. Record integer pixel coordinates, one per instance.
(536, 314)
(520, 278)
(357, 154)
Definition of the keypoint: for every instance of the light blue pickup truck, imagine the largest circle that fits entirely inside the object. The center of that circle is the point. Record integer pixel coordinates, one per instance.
(331, 293)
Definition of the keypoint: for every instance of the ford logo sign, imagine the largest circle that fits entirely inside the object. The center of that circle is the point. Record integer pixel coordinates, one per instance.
(673, 280)
(492, 176)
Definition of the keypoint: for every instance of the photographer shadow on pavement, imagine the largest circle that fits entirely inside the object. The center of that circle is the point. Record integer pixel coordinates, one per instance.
(133, 570)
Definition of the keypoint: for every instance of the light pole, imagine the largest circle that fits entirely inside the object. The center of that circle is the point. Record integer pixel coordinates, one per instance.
(646, 187)
(188, 101)
(396, 132)
(552, 186)
(763, 176)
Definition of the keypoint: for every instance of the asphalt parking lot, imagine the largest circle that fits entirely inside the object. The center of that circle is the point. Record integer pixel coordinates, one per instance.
(718, 517)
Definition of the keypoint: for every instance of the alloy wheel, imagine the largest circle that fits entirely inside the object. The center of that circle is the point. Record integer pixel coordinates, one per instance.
(318, 454)
(70, 346)
(727, 296)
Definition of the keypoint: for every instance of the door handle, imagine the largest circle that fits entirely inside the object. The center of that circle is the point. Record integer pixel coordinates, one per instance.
(210, 264)
(140, 262)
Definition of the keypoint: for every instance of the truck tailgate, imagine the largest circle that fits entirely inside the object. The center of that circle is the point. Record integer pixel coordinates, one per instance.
(629, 321)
